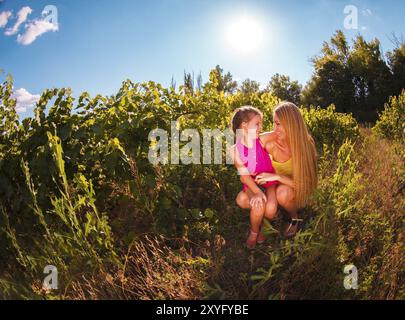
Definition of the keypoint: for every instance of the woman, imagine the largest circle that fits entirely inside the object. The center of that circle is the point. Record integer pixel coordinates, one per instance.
(293, 154)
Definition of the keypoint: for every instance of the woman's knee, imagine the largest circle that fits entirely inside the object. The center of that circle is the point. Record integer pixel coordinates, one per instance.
(270, 211)
(284, 194)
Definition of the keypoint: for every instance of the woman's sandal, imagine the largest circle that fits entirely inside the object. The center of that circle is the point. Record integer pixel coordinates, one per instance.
(290, 232)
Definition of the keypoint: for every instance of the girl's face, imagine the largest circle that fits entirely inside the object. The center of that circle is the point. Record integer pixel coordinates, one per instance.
(253, 126)
(278, 128)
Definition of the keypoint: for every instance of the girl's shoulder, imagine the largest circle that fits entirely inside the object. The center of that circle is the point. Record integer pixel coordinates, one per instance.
(267, 137)
(233, 152)
(231, 148)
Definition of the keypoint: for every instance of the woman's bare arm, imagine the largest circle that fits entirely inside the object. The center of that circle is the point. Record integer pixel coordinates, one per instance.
(287, 181)
(265, 177)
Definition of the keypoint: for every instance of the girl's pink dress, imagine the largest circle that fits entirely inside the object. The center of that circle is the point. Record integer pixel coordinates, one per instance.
(256, 160)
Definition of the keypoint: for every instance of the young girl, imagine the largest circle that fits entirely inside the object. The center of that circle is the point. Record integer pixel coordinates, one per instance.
(250, 159)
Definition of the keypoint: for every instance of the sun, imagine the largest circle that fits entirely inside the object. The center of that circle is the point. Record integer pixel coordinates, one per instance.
(245, 34)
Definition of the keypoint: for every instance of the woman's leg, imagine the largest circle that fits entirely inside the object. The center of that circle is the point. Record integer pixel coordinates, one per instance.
(285, 197)
(271, 205)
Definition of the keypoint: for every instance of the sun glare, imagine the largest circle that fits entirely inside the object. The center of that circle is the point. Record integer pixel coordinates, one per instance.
(245, 34)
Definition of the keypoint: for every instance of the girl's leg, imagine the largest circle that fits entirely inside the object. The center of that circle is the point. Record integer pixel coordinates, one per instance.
(270, 210)
(256, 215)
(243, 200)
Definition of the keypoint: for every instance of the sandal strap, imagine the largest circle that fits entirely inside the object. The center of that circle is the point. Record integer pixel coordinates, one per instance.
(295, 220)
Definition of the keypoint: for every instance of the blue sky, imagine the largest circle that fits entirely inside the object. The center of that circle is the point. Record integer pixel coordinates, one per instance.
(100, 43)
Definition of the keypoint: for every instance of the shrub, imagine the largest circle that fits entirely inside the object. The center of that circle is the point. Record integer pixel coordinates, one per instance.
(330, 127)
(391, 122)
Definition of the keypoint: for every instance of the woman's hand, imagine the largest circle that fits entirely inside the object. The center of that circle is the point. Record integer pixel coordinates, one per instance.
(258, 200)
(265, 177)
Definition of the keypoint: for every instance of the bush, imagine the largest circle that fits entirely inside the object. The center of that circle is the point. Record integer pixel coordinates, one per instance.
(330, 127)
(391, 122)
(72, 235)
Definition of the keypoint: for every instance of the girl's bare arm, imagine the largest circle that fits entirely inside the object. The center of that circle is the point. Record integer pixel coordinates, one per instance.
(245, 177)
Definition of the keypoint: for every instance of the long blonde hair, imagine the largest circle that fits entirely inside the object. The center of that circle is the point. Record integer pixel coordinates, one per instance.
(303, 151)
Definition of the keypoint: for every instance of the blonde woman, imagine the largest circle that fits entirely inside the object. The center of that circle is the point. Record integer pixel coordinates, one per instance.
(293, 154)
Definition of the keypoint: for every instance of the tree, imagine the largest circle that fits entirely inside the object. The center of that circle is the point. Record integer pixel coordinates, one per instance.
(331, 82)
(192, 84)
(199, 81)
(396, 61)
(282, 87)
(173, 83)
(249, 86)
(189, 82)
(355, 79)
(371, 78)
(222, 82)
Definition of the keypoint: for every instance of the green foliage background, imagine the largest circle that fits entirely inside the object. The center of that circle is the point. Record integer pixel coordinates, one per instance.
(77, 191)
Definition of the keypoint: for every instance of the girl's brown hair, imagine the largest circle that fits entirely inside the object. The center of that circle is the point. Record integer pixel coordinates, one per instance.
(244, 114)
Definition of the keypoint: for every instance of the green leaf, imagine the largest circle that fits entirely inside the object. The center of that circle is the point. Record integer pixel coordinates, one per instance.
(209, 213)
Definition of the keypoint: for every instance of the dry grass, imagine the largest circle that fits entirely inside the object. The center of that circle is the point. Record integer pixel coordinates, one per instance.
(151, 271)
(381, 165)
(383, 177)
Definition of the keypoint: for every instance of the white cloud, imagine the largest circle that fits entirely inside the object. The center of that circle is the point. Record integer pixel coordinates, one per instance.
(34, 29)
(4, 18)
(25, 99)
(367, 13)
(21, 17)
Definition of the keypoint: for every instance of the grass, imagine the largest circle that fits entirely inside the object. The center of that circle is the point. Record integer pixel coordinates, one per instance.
(355, 216)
